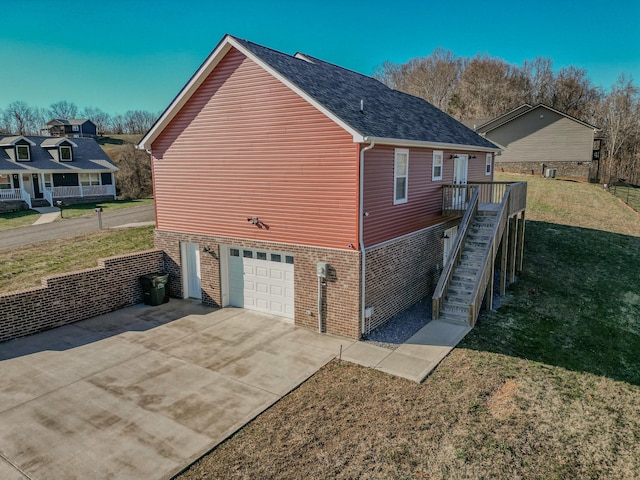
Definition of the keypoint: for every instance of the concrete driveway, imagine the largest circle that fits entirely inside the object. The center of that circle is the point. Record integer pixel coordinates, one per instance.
(142, 392)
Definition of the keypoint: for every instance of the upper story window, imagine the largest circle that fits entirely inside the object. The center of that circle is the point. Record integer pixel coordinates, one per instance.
(436, 168)
(66, 154)
(401, 176)
(22, 152)
(487, 168)
(75, 128)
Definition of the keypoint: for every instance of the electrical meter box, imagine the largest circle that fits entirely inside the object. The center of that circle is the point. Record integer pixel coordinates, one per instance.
(322, 269)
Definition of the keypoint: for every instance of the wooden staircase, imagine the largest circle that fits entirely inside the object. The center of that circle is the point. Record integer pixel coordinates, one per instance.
(468, 274)
(468, 271)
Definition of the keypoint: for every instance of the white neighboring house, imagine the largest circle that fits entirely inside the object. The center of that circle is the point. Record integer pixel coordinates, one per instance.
(39, 171)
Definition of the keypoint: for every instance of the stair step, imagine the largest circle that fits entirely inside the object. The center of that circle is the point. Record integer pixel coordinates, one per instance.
(453, 320)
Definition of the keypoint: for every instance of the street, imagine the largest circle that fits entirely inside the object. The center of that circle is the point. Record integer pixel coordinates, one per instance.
(73, 226)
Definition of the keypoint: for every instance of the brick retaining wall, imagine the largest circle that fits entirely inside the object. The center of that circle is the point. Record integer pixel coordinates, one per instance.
(75, 296)
(578, 170)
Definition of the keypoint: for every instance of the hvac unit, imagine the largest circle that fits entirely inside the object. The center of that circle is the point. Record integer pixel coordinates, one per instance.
(551, 172)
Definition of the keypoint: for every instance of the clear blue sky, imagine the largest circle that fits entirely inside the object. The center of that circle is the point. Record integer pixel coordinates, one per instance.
(136, 54)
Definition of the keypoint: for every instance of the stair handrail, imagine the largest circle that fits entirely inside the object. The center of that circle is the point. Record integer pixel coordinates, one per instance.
(490, 256)
(454, 255)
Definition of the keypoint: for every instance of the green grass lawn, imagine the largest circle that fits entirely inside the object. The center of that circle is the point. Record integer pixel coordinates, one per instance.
(546, 387)
(17, 219)
(24, 267)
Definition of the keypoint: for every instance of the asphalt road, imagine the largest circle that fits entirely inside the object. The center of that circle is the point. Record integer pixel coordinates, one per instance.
(67, 227)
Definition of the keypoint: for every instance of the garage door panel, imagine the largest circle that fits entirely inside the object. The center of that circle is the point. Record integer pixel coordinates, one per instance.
(262, 281)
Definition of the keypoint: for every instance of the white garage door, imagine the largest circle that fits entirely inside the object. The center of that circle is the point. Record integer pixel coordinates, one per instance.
(261, 280)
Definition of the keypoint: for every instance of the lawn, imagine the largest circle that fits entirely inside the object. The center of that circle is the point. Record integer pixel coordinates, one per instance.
(24, 267)
(17, 219)
(547, 387)
(629, 195)
(82, 209)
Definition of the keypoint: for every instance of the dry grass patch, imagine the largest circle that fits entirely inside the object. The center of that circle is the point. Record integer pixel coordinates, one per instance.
(24, 267)
(480, 415)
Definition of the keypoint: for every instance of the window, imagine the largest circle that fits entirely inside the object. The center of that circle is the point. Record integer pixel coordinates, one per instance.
(234, 252)
(65, 154)
(75, 128)
(247, 254)
(47, 180)
(89, 179)
(22, 152)
(261, 255)
(276, 257)
(5, 182)
(400, 175)
(436, 169)
(288, 259)
(487, 168)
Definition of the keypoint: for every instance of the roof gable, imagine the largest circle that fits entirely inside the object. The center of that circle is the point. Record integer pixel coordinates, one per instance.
(363, 106)
(525, 110)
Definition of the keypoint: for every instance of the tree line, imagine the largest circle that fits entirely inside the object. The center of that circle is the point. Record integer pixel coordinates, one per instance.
(482, 87)
(22, 119)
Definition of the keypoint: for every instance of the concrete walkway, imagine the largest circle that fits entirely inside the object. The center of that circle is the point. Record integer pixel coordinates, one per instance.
(145, 391)
(47, 215)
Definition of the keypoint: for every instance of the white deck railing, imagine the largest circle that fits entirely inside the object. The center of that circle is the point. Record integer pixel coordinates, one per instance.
(10, 194)
(80, 191)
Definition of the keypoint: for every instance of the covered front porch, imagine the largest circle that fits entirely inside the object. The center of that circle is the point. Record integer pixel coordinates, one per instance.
(49, 187)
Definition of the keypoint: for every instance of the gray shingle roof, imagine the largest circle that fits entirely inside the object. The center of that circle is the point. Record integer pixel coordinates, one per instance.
(87, 156)
(387, 113)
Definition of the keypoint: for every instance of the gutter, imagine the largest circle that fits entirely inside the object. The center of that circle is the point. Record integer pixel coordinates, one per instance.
(363, 266)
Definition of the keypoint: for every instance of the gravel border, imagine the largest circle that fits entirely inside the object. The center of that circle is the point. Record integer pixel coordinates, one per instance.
(403, 326)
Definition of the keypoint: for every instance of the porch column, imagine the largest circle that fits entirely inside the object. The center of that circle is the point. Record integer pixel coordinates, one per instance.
(521, 244)
(113, 185)
(80, 186)
(503, 259)
(512, 244)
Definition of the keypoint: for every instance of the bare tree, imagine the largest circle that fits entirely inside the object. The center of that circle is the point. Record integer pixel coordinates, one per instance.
(541, 80)
(573, 93)
(98, 116)
(63, 109)
(134, 177)
(20, 118)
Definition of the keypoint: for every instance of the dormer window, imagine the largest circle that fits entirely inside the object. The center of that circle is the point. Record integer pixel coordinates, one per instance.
(66, 154)
(22, 153)
(75, 128)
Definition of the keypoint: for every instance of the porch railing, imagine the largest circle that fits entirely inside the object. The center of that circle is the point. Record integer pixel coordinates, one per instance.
(454, 196)
(47, 196)
(10, 194)
(82, 191)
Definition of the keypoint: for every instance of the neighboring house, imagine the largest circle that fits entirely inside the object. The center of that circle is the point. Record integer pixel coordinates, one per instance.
(72, 127)
(535, 139)
(292, 186)
(38, 171)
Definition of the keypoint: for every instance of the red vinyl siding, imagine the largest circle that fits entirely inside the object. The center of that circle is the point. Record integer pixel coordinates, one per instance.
(424, 206)
(245, 145)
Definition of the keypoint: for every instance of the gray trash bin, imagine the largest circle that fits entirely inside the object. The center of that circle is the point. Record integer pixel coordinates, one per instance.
(154, 288)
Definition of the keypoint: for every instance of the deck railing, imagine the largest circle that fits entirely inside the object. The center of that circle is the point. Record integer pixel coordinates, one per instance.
(454, 196)
(10, 194)
(81, 191)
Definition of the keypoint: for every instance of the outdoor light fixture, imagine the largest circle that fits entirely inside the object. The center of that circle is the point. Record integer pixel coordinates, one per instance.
(472, 156)
(444, 235)
(253, 220)
(453, 156)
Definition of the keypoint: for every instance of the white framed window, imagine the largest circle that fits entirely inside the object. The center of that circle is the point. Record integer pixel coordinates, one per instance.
(47, 180)
(487, 167)
(5, 182)
(436, 166)
(65, 153)
(75, 128)
(22, 153)
(401, 176)
(89, 179)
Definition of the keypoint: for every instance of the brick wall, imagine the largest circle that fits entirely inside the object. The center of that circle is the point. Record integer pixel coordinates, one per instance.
(13, 206)
(578, 170)
(341, 299)
(403, 271)
(75, 296)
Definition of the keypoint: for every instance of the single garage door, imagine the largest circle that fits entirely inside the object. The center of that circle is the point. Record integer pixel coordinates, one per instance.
(261, 280)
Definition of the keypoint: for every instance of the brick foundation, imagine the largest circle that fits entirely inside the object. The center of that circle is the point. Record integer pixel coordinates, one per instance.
(403, 271)
(577, 170)
(75, 296)
(13, 206)
(341, 312)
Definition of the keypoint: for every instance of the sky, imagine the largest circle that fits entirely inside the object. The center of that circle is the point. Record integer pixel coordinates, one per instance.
(122, 55)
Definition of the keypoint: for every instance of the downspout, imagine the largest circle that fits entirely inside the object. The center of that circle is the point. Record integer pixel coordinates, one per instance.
(363, 265)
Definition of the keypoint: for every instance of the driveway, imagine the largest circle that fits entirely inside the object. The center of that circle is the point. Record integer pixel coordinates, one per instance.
(144, 391)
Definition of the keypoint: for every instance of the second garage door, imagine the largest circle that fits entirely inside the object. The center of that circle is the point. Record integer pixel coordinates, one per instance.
(261, 280)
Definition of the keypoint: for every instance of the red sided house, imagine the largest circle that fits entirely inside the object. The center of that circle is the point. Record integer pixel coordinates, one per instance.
(292, 186)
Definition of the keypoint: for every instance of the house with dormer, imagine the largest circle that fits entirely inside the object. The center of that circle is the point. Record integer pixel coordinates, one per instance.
(39, 171)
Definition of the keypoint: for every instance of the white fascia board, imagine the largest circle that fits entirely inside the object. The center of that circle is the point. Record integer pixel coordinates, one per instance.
(432, 145)
(203, 72)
